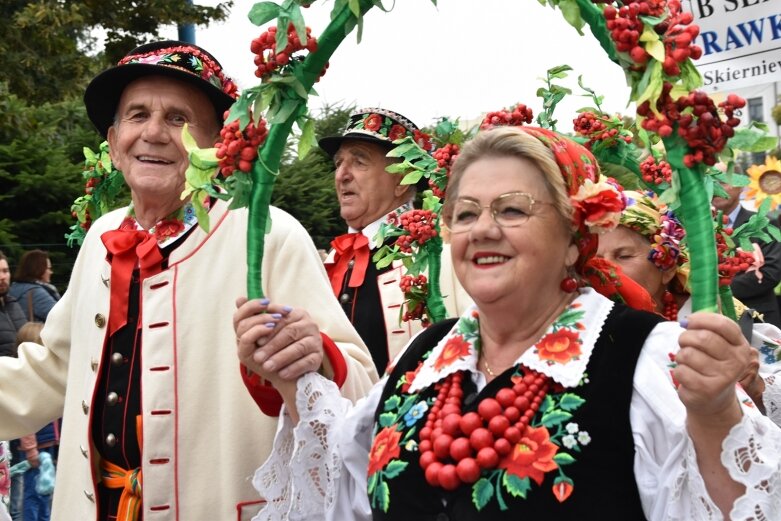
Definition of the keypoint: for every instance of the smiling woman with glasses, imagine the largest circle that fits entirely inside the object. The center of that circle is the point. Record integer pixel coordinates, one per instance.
(546, 399)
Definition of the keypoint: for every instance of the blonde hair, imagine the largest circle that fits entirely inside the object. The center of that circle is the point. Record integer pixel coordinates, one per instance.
(513, 142)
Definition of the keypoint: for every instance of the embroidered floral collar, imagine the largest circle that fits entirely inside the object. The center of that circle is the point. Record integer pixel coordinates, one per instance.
(371, 231)
(562, 353)
(166, 230)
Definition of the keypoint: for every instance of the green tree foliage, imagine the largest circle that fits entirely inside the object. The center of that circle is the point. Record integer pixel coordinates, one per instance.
(40, 165)
(305, 188)
(47, 47)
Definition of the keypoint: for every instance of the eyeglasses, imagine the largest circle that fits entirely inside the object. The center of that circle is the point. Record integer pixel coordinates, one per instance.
(508, 210)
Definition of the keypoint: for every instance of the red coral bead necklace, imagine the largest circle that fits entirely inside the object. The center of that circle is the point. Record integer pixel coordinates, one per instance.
(455, 447)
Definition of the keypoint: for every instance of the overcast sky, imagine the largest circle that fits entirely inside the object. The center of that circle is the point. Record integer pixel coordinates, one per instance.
(460, 59)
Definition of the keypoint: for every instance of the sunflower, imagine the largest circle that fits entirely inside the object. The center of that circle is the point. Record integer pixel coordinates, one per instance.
(765, 182)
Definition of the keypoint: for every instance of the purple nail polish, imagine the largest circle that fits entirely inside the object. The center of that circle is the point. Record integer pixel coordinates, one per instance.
(264, 302)
(271, 325)
(276, 315)
(684, 323)
(287, 309)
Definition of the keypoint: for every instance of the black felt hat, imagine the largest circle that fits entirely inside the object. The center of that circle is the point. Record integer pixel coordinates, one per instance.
(374, 125)
(180, 60)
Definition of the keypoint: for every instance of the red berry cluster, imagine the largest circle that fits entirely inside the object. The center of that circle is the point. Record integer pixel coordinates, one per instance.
(455, 448)
(677, 33)
(420, 225)
(730, 265)
(445, 157)
(239, 149)
(267, 58)
(408, 282)
(600, 128)
(516, 116)
(699, 122)
(656, 173)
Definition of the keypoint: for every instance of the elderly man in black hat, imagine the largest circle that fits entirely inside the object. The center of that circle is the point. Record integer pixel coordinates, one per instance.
(367, 195)
(140, 353)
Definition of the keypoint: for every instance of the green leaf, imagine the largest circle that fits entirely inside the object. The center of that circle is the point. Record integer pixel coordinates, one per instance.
(355, 7)
(412, 177)
(571, 12)
(655, 48)
(282, 22)
(387, 419)
(298, 22)
(570, 402)
(547, 403)
(555, 417)
(558, 71)
(394, 468)
(372, 482)
(751, 139)
(392, 403)
(307, 139)
(517, 487)
(482, 492)
(200, 211)
(263, 12)
(284, 112)
(562, 458)
(383, 495)
(239, 185)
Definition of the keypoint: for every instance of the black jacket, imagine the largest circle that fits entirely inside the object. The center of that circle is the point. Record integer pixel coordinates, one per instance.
(11, 319)
(747, 288)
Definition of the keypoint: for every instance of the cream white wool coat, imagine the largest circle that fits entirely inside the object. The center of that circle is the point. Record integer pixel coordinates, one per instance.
(203, 435)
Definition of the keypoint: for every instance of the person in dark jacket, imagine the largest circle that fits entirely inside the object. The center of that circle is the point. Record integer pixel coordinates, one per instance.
(754, 292)
(32, 286)
(11, 314)
(11, 320)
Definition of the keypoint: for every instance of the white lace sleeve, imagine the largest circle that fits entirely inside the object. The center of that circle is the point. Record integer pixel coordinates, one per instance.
(668, 478)
(318, 468)
(771, 398)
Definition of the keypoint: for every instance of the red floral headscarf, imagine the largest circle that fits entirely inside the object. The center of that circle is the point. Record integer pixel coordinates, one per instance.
(597, 208)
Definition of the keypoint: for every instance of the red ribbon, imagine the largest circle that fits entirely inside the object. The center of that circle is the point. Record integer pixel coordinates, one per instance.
(350, 246)
(128, 248)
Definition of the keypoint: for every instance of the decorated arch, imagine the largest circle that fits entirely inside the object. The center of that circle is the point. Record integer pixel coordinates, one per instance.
(670, 146)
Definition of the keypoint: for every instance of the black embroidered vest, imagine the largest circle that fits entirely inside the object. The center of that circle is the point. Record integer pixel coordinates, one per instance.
(596, 457)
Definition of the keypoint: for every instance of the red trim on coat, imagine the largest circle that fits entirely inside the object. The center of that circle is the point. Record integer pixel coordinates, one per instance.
(240, 506)
(334, 354)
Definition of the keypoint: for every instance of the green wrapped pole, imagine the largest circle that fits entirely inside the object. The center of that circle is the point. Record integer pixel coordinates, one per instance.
(434, 301)
(694, 212)
(727, 305)
(265, 170)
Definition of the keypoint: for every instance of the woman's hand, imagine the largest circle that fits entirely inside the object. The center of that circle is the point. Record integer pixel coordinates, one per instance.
(714, 355)
(277, 342)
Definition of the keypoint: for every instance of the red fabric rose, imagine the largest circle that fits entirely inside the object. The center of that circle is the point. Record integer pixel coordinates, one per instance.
(561, 346)
(372, 122)
(532, 456)
(455, 348)
(422, 139)
(397, 132)
(595, 208)
(168, 228)
(384, 448)
(409, 377)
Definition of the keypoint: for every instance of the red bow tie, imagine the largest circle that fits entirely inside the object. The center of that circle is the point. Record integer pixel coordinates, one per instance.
(350, 246)
(128, 247)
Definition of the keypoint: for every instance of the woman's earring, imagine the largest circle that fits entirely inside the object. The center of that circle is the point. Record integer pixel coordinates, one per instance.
(569, 284)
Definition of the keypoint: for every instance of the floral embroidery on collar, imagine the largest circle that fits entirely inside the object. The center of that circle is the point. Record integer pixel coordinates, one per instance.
(562, 353)
(166, 230)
